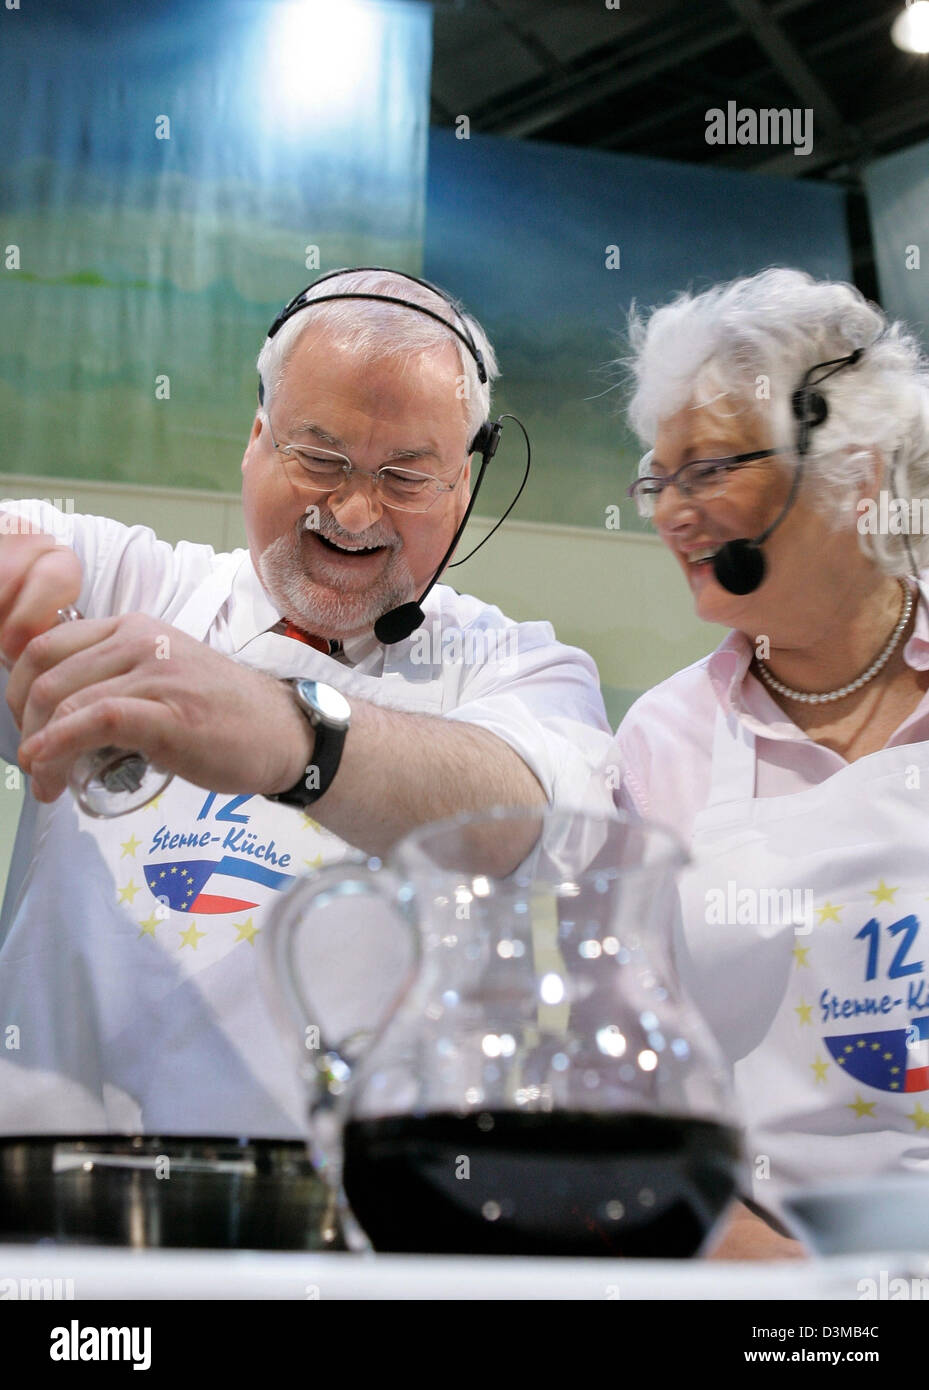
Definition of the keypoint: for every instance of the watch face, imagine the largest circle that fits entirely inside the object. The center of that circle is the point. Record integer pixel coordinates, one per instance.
(328, 702)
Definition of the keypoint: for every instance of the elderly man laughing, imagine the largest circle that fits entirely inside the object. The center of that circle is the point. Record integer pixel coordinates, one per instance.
(127, 952)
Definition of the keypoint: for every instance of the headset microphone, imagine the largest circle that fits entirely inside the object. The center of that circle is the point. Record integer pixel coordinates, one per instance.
(739, 566)
(398, 623)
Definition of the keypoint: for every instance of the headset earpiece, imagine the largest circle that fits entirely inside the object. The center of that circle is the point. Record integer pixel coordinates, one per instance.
(809, 406)
(483, 437)
(810, 409)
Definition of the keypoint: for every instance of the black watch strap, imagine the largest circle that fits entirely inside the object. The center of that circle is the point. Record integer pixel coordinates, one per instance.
(327, 749)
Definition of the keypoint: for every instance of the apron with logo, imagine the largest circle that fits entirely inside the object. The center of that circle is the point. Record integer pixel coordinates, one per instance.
(805, 940)
(128, 971)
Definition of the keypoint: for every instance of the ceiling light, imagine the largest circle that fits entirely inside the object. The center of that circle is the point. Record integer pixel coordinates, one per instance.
(910, 30)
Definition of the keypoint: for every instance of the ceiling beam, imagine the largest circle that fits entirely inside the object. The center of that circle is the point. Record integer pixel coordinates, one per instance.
(887, 125)
(826, 46)
(692, 98)
(607, 76)
(547, 60)
(612, 72)
(785, 59)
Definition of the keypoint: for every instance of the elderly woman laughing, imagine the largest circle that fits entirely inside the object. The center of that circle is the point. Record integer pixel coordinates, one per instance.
(794, 760)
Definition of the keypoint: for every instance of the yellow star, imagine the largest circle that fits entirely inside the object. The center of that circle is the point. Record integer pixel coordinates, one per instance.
(148, 927)
(246, 931)
(314, 863)
(894, 1071)
(128, 893)
(800, 955)
(875, 1047)
(863, 1107)
(804, 1011)
(920, 1117)
(173, 870)
(828, 912)
(883, 894)
(849, 1048)
(309, 823)
(820, 1068)
(154, 801)
(861, 1042)
(190, 937)
(841, 1061)
(129, 847)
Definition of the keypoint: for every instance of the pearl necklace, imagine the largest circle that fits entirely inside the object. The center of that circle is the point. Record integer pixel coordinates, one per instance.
(877, 664)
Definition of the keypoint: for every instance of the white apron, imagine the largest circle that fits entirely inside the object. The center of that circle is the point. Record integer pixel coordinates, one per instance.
(128, 971)
(820, 994)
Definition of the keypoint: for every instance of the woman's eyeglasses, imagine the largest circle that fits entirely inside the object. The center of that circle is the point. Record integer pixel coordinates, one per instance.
(702, 479)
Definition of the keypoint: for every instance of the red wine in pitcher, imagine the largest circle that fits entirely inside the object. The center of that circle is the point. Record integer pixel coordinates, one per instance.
(560, 1183)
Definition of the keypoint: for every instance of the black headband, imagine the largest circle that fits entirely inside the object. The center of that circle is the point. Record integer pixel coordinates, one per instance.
(300, 301)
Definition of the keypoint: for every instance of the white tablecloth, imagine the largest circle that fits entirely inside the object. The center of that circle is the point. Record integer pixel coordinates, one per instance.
(103, 1273)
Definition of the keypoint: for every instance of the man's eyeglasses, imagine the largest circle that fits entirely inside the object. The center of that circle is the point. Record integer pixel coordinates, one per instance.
(322, 470)
(702, 479)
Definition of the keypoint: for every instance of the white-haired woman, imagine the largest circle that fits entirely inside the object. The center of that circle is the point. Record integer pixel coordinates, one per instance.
(794, 760)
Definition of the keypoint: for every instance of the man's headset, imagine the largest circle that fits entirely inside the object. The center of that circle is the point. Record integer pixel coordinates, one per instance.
(398, 623)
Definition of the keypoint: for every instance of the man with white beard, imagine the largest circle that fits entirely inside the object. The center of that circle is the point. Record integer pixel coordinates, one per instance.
(127, 946)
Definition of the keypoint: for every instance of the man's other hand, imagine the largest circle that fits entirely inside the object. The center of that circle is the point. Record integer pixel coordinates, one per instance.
(745, 1236)
(37, 577)
(135, 682)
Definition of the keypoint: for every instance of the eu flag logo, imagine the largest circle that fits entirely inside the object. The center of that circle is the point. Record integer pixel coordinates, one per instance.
(896, 1060)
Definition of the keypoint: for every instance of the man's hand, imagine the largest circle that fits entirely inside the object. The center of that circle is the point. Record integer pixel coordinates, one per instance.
(37, 577)
(137, 683)
(134, 682)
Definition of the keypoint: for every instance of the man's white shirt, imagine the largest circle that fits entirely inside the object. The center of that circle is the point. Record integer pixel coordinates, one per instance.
(128, 946)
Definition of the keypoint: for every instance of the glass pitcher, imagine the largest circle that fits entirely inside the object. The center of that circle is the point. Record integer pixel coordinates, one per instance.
(499, 1060)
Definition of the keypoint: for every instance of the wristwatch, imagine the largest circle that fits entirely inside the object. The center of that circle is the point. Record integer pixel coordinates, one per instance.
(329, 714)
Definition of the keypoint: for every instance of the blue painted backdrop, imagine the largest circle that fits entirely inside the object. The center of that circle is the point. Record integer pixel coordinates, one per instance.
(898, 198)
(521, 231)
(163, 169)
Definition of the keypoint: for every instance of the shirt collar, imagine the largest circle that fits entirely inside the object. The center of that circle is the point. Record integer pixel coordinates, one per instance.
(916, 651)
(728, 669)
(252, 612)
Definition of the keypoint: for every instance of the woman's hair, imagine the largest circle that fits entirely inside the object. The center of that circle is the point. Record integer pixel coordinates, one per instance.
(373, 329)
(745, 347)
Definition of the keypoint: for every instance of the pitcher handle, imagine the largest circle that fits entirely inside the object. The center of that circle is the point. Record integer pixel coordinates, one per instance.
(327, 1062)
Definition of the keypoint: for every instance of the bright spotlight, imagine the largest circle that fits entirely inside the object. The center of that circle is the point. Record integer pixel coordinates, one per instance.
(322, 57)
(910, 30)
